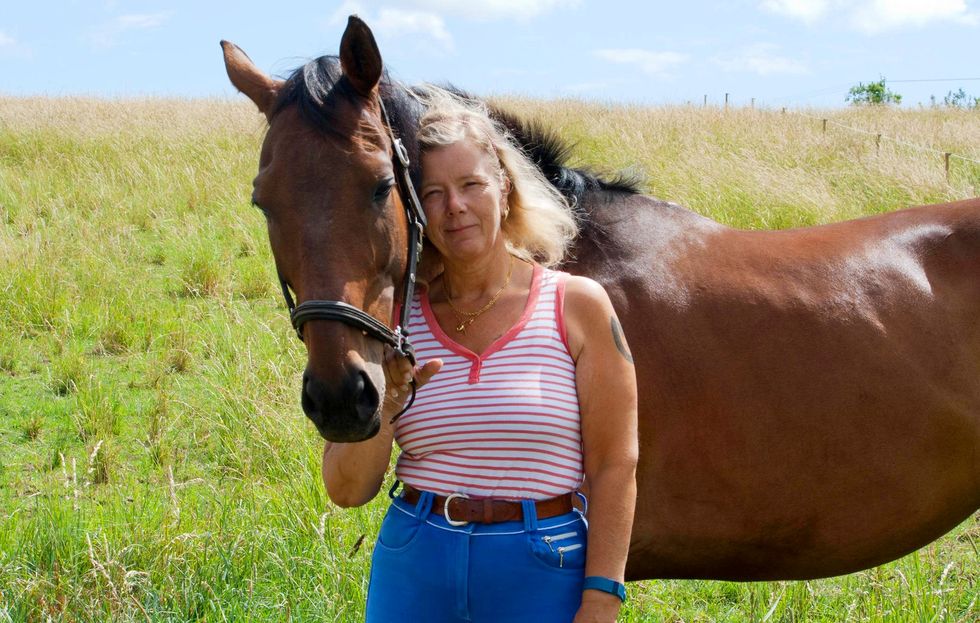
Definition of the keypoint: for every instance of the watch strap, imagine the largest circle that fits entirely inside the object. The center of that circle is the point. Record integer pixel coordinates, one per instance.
(606, 585)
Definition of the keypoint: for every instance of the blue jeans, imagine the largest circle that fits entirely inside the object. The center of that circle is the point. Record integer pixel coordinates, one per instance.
(424, 569)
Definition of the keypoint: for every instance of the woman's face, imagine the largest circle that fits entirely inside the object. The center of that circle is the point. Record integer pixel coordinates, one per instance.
(464, 197)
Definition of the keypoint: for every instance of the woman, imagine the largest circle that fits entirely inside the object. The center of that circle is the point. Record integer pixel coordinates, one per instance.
(526, 394)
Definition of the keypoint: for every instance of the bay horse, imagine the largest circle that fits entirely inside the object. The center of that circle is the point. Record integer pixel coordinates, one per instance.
(809, 398)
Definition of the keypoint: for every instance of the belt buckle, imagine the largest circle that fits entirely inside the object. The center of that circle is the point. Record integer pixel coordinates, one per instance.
(445, 509)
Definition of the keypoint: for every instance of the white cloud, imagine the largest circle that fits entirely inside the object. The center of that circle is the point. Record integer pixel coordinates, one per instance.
(108, 34)
(427, 30)
(11, 47)
(875, 16)
(139, 22)
(397, 22)
(806, 10)
(475, 10)
(651, 63)
(493, 9)
(761, 59)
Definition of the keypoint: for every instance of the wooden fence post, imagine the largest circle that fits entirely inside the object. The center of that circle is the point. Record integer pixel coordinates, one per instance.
(824, 125)
(946, 156)
(878, 144)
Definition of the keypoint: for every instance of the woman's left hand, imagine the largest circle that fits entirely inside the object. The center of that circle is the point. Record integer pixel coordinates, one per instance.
(598, 607)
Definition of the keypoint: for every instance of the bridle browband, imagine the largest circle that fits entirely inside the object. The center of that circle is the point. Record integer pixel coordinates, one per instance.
(397, 338)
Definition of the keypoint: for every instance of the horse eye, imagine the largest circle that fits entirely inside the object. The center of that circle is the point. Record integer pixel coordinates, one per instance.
(383, 190)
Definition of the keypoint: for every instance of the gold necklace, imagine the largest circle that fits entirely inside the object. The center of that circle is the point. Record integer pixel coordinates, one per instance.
(466, 318)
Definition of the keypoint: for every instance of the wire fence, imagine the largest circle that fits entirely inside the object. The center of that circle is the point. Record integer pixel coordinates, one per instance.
(879, 137)
(947, 156)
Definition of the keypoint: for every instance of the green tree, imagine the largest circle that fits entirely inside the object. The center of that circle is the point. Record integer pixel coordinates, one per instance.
(959, 99)
(872, 93)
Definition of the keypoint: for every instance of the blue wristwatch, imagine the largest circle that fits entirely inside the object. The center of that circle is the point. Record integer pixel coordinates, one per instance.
(605, 585)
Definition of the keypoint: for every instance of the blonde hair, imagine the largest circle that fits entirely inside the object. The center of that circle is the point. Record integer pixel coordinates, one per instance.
(539, 224)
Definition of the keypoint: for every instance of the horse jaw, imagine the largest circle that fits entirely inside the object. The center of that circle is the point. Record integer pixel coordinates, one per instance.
(249, 79)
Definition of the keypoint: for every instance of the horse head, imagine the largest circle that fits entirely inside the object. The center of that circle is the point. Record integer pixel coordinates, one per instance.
(336, 219)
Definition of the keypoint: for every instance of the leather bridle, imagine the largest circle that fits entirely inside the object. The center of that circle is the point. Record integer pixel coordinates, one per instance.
(397, 338)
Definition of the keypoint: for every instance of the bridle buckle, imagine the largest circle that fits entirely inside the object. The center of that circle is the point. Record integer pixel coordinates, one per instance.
(400, 151)
(445, 509)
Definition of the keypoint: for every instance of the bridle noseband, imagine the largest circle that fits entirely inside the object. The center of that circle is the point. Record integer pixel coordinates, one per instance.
(358, 318)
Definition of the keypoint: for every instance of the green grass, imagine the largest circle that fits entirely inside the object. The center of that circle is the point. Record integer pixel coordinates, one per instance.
(154, 460)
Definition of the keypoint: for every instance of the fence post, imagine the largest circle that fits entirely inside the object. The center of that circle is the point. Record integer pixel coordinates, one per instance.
(946, 156)
(878, 144)
(824, 125)
(726, 100)
(753, 103)
(784, 110)
(705, 100)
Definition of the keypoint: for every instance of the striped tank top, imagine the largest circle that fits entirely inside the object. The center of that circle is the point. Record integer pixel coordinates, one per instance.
(504, 424)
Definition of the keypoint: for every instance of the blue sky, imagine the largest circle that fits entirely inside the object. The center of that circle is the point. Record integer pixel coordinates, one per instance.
(781, 52)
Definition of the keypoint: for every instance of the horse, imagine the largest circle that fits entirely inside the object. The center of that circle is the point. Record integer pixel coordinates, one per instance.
(809, 398)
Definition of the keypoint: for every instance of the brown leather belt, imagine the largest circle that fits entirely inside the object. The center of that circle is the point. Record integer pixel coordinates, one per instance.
(462, 510)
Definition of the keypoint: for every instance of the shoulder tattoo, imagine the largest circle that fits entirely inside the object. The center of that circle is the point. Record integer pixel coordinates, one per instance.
(619, 338)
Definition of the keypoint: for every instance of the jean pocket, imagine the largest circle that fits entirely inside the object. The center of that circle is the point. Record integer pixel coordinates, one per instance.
(563, 547)
(398, 529)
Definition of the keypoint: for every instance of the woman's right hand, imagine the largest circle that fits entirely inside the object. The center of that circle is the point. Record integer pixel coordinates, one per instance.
(399, 373)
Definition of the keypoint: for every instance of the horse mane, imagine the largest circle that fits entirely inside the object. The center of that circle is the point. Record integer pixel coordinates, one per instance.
(551, 154)
(318, 86)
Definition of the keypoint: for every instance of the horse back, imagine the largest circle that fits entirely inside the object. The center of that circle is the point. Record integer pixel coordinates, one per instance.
(789, 379)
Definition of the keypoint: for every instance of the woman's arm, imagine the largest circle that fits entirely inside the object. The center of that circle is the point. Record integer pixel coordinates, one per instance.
(606, 384)
(353, 472)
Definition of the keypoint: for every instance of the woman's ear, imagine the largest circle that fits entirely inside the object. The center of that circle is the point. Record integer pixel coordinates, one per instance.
(505, 188)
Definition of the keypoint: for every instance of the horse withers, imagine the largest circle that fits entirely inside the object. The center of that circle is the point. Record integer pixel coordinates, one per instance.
(809, 398)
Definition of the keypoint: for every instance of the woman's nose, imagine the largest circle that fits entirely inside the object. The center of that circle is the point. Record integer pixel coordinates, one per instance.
(454, 202)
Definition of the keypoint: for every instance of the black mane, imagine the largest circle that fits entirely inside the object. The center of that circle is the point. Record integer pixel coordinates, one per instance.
(551, 154)
(317, 88)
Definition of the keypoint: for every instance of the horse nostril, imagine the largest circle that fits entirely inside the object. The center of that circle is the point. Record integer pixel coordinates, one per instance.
(367, 396)
(310, 404)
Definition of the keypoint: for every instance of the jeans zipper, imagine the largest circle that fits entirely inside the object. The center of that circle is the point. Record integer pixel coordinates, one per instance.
(567, 548)
(549, 539)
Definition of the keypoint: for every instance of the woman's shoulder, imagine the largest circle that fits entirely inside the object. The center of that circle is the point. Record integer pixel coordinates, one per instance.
(586, 309)
(582, 291)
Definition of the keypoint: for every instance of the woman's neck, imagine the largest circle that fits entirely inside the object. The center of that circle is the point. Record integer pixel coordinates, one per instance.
(475, 281)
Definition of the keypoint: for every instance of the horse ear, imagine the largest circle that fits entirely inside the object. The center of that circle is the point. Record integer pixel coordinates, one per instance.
(249, 79)
(360, 57)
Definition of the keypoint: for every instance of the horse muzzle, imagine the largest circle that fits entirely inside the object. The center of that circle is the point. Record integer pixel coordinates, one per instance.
(346, 411)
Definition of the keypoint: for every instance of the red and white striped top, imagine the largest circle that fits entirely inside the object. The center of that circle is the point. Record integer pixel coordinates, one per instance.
(504, 424)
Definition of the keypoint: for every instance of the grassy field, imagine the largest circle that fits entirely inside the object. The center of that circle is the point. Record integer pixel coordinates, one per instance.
(154, 461)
